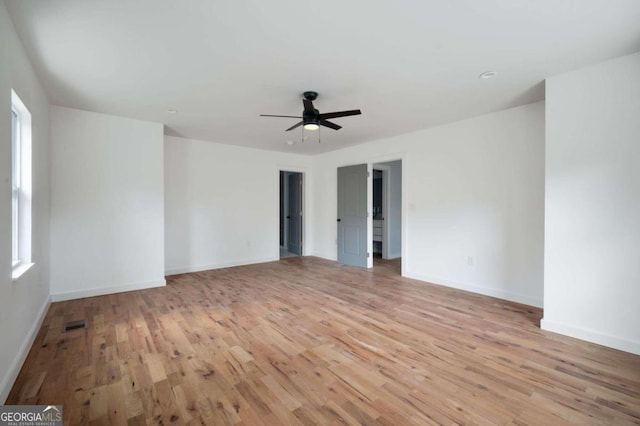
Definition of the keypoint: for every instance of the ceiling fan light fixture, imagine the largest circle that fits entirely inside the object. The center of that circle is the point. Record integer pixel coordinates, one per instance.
(311, 126)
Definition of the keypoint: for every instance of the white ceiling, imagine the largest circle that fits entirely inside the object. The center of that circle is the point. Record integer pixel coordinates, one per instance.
(407, 64)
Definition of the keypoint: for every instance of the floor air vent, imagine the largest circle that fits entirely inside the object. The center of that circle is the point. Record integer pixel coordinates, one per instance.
(74, 325)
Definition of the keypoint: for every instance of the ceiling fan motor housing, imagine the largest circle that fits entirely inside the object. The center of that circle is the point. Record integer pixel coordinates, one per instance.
(310, 117)
(310, 95)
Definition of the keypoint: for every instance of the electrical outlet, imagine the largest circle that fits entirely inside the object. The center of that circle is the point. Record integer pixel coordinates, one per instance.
(470, 260)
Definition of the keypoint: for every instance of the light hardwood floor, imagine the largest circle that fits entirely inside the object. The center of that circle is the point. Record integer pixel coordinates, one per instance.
(307, 341)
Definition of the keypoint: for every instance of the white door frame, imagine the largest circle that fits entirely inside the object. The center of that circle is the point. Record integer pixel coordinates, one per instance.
(305, 207)
(285, 209)
(404, 205)
(386, 208)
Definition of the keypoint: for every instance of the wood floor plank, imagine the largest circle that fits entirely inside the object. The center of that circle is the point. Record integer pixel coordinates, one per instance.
(307, 341)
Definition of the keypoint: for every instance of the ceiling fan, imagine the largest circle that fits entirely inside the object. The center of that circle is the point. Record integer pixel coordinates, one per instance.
(311, 117)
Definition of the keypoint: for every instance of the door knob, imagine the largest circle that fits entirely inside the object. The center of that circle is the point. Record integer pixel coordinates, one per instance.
(338, 219)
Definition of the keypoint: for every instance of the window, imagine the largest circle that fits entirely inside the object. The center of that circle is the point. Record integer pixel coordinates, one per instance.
(20, 187)
(15, 184)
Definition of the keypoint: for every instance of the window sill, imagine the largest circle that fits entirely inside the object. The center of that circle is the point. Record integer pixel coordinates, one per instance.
(19, 270)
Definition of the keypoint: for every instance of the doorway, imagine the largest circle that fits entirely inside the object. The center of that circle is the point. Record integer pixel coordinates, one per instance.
(387, 214)
(291, 214)
(370, 215)
(378, 213)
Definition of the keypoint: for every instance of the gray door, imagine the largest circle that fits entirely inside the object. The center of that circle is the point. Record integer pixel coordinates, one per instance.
(352, 215)
(294, 215)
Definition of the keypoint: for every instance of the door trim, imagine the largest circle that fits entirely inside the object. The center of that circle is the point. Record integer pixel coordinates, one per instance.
(294, 212)
(386, 207)
(305, 207)
(404, 252)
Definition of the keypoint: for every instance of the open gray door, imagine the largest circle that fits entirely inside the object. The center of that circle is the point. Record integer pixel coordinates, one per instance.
(294, 215)
(352, 215)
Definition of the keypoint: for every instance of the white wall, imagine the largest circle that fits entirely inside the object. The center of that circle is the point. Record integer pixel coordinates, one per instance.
(222, 204)
(470, 189)
(592, 236)
(24, 302)
(107, 204)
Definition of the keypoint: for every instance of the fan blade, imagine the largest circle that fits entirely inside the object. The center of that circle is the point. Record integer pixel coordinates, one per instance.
(285, 116)
(308, 105)
(339, 114)
(294, 126)
(329, 124)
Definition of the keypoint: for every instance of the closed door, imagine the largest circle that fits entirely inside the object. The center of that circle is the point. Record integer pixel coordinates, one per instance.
(294, 215)
(352, 215)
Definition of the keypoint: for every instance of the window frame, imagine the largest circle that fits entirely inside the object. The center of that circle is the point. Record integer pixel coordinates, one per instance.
(21, 194)
(15, 187)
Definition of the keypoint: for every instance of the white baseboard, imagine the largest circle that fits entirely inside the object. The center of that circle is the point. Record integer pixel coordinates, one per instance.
(486, 291)
(591, 336)
(324, 256)
(21, 355)
(198, 268)
(101, 291)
